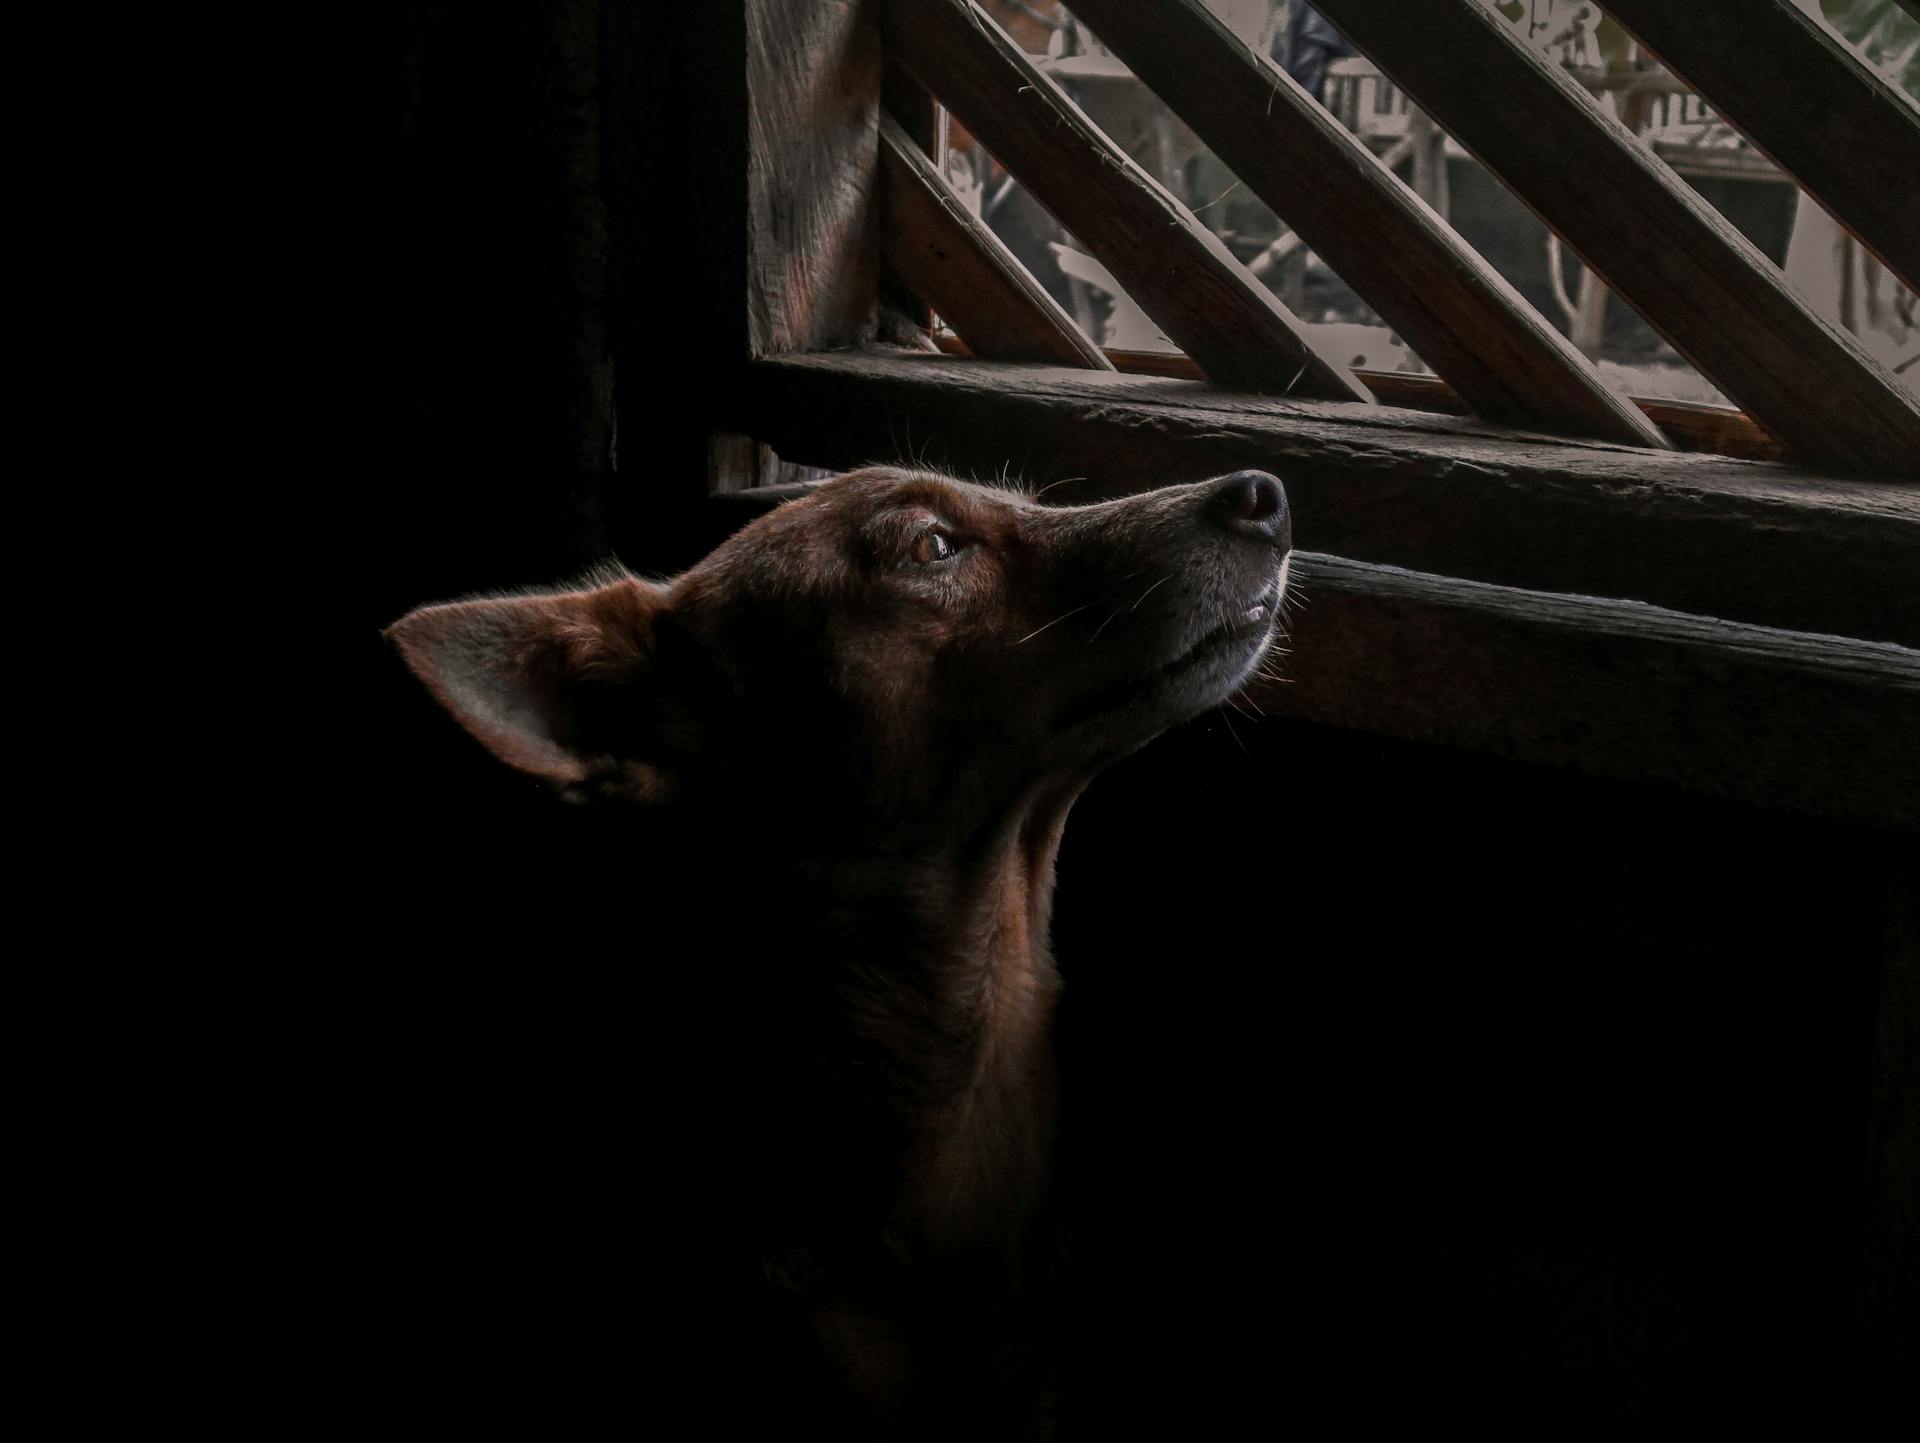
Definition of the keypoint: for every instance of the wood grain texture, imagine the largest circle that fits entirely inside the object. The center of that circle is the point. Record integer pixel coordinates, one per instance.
(978, 286)
(1811, 724)
(1722, 304)
(812, 82)
(791, 219)
(1768, 544)
(1463, 319)
(1174, 267)
(1796, 91)
(1689, 425)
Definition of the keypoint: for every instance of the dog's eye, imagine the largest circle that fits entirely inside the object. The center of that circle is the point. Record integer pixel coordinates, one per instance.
(929, 546)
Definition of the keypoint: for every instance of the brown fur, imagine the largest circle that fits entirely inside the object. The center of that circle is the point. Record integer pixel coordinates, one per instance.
(895, 737)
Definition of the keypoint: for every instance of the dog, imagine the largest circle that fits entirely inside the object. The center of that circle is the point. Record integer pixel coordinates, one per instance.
(848, 741)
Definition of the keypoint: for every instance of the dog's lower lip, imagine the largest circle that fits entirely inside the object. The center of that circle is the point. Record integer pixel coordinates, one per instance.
(1221, 636)
(1263, 607)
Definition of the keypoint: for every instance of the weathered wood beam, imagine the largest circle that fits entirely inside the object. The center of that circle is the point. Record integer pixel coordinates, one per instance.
(1752, 542)
(1812, 724)
(1179, 271)
(1797, 92)
(1689, 425)
(811, 164)
(948, 256)
(797, 115)
(1663, 249)
(1503, 358)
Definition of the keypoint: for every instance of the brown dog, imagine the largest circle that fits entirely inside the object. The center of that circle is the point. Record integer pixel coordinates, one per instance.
(886, 696)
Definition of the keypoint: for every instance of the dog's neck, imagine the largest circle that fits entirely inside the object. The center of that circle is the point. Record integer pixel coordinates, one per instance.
(950, 982)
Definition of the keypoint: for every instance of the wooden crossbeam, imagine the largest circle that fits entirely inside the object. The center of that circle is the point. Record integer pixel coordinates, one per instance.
(1796, 91)
(1454, 495)
(1817, 724)
(1173, 266)
(1506, 360)
(1702, 285)
(948, 256)
(1689, 425)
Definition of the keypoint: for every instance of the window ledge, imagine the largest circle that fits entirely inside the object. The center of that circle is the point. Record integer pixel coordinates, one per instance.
(1759, 542)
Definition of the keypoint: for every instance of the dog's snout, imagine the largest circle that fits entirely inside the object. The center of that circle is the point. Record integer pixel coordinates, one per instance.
(1252, 503)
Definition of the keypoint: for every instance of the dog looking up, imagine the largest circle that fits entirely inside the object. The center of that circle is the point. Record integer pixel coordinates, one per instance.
(886, 695)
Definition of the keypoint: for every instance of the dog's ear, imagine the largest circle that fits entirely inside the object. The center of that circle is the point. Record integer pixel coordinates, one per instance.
(558, 684)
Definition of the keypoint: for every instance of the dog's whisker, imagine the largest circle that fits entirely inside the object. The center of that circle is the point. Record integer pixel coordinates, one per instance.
(1103, 626)
(1235, 735)
(1055, 622)
(1149, 591)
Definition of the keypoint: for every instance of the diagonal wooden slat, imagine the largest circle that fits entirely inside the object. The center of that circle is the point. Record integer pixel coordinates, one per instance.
(1701, 284)
(1176, 268)
(947, 256)
(1470, 325)
(924, 120)
(1799, 94)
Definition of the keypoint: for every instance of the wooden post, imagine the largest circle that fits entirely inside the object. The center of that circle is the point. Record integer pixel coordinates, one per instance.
(795, 97)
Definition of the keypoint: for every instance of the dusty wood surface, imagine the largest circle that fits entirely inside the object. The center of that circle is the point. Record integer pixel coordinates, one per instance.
(1404, 260)
(1810, 724)
(1769, 544)
(953, 260)
(1796, 91)
(796, 115)
(1178, 270)
(1690, 425)
(812, 82)
(1721, 303)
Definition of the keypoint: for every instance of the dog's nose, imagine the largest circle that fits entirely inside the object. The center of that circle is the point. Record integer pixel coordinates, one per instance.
(1252, 503)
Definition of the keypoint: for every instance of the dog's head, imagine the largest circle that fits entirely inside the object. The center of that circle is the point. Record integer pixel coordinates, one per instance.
(894, 642)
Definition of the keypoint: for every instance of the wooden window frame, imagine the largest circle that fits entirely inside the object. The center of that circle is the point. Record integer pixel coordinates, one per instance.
(1741, 627)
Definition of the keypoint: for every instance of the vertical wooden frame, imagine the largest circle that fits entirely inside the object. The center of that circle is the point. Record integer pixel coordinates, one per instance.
(800, 85)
